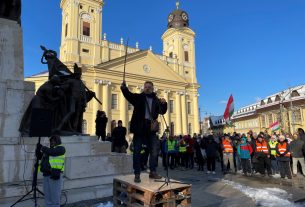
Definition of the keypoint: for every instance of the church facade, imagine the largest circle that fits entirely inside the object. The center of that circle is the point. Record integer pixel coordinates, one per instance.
(173, 72)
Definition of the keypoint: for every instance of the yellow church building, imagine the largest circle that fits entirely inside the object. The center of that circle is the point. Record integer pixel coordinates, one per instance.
(173, 72)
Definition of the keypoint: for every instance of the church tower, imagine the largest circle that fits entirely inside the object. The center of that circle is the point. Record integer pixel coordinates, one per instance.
(81, 39)
(179, 45)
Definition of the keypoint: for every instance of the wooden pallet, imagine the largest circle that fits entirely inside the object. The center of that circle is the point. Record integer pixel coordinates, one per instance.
(127, 193)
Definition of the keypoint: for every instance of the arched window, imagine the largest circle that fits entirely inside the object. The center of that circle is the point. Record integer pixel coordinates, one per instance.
(186, 53)
(86, 28)
(66, 30)
(171, 55)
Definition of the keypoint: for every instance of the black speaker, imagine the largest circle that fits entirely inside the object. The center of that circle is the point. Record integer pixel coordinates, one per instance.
(41, 123)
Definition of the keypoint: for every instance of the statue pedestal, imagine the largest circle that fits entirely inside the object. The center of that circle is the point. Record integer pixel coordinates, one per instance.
(89, 169)
(15, 93)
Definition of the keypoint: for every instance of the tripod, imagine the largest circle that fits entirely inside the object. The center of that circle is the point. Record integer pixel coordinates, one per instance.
(167, 180)
(34, 183)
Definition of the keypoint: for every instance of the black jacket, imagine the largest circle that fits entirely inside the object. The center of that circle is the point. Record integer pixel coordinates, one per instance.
(139, 103)
(211, 149)
(118, 136)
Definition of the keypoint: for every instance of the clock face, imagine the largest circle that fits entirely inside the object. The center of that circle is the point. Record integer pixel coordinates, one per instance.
(184, 16)
(170, 18)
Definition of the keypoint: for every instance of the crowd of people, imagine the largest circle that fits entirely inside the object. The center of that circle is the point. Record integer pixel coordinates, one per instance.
(250, 153)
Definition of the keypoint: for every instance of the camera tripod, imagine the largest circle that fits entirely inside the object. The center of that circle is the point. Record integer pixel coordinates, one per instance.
(34, 189)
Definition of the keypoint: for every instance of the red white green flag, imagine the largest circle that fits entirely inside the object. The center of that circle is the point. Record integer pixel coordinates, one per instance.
(275, 126)
(229, 109)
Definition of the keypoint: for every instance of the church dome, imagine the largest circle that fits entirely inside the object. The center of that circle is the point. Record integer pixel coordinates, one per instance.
(178, 18)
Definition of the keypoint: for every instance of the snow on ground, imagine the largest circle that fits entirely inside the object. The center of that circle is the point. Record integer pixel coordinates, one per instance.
(269, 197)
(108, 204)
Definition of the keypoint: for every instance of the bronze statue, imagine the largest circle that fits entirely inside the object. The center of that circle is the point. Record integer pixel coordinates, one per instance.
(64, 94)
(10, 9)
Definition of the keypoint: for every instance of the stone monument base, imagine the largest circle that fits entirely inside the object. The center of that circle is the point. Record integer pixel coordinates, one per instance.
(89, 169)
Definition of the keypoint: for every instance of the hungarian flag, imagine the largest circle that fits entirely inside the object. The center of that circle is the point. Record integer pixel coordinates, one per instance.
(229, 109)
(275, 126)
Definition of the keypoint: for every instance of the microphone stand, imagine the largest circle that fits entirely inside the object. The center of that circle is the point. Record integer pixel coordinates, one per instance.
(166, 181)
(35, 189)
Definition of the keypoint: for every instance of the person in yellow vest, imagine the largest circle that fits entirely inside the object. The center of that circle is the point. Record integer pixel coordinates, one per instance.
(52, 166)
(274, 163)
(283, 154)
(227, 148)
(182, 152)
(171, 146)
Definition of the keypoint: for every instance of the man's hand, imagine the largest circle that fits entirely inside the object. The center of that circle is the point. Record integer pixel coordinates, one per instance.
(162, 100)
(123, 85)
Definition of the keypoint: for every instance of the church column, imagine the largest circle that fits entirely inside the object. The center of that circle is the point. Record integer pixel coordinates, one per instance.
(106, 103)
(123, 109)
(167, 115)
(196, 114)
(184, 113)
(178, 114)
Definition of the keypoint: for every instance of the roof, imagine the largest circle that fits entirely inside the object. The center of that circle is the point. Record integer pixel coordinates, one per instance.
(290, 94)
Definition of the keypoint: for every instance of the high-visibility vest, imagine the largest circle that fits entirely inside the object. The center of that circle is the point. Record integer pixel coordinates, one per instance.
(227, 146)
(262, 147)
(57, 162)
(272, 147)
(282, 147)
(171, 144)
(131, 149)
(182, 148)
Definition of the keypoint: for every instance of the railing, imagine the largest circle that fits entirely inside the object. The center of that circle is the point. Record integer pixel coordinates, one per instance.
(84, 38)
(114, 46)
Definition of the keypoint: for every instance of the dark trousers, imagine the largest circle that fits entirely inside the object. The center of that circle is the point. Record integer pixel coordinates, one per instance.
(211, 163)
(152, 142)
(170, 160)
(246, 165)
(263, 163)
(284, 167)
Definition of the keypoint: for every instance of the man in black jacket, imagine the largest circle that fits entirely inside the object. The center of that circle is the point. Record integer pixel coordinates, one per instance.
(147, 107)
(119, 138)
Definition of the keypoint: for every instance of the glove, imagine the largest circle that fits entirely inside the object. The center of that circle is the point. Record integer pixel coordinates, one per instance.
(123, 85)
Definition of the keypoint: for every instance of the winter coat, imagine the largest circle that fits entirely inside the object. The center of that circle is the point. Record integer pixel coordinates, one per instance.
(297, 148)
(244, 150)
(211, 149)
(118, 136)
(283, 156)
(100, 125)
(138, 100)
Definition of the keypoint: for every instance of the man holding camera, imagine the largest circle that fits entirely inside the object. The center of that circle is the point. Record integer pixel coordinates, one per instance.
(144, 125)
(52, 166)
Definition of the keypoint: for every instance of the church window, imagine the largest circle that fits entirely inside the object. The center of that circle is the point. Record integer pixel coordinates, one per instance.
(171, 106)
(189, 109)
(114, 101)
(85, 50)
(186, 56)
(92, 10)
(297, 116)
(66, 30)
(81, 6)
(86, 28)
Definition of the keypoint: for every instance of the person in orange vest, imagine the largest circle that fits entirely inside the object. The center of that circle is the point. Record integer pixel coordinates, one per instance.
(262, 156)
(227, 148)
(283, 153)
